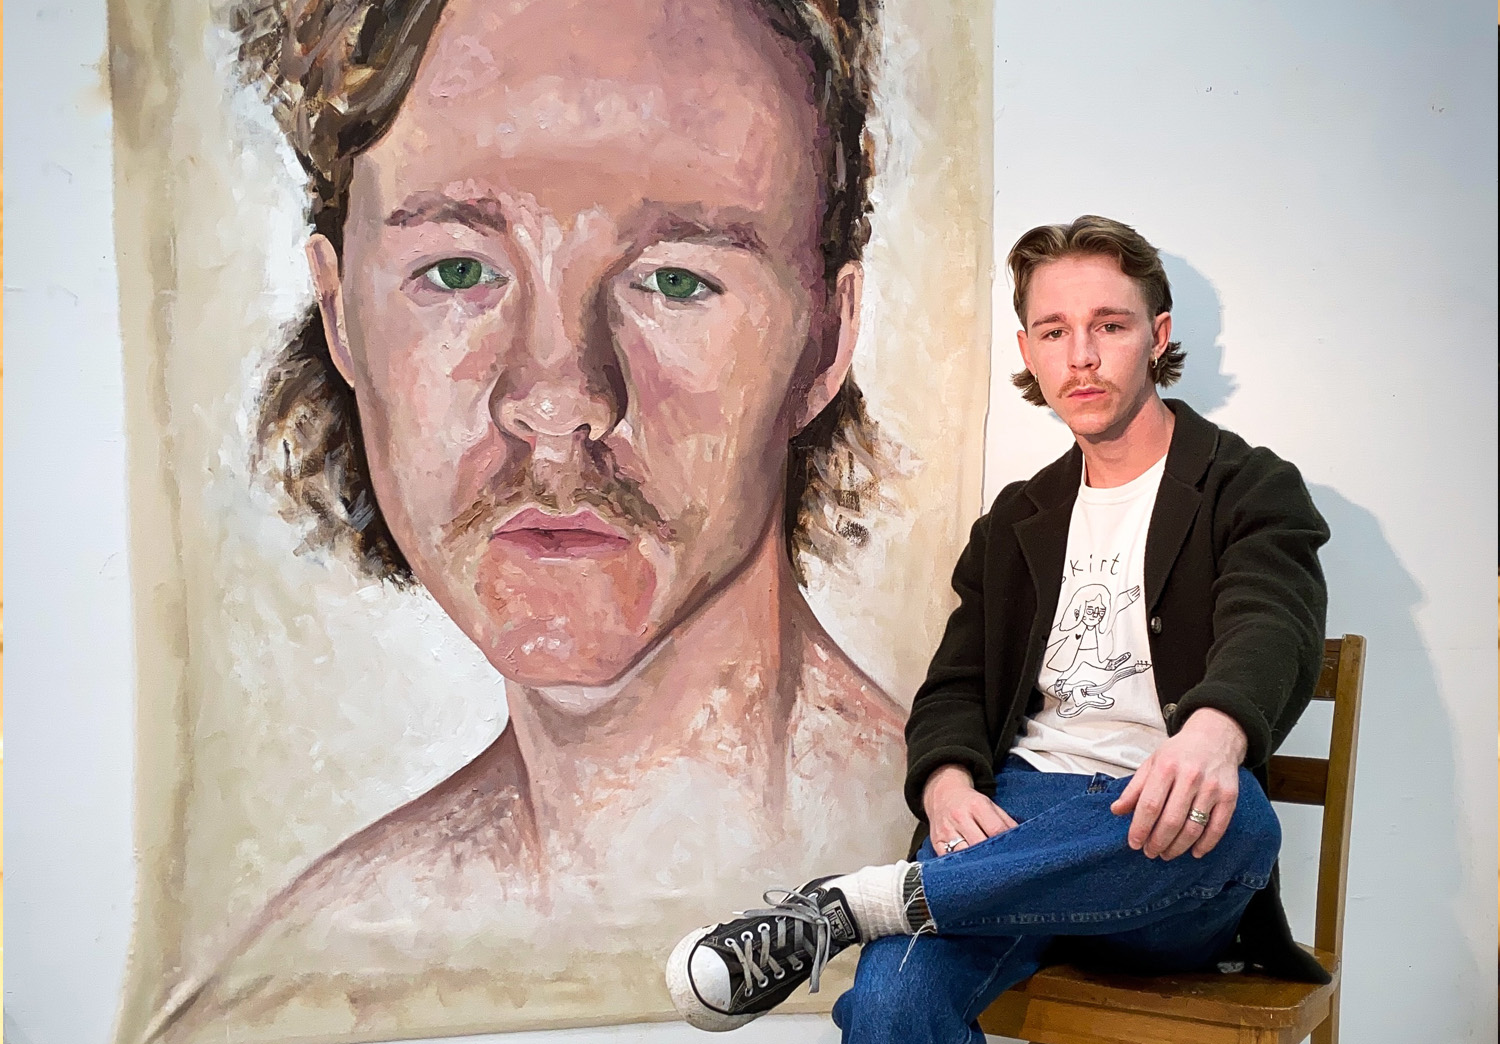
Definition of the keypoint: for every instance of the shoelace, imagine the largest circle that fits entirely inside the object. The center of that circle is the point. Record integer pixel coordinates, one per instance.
(802, 911)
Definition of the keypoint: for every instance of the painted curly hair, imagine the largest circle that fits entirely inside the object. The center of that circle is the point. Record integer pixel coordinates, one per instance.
(337, 71)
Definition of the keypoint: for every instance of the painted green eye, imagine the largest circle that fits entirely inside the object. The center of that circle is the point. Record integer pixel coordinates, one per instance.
(677, 283)
(459, 273)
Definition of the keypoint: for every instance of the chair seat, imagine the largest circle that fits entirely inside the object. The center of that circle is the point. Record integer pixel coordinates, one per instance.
(1244, 1000)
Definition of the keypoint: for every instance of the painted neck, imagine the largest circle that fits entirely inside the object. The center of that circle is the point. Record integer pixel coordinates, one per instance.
(1126, 452)
(713, 686)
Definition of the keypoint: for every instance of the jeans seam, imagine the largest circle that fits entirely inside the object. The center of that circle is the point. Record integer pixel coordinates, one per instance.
(969, 1012)
(1197, 892)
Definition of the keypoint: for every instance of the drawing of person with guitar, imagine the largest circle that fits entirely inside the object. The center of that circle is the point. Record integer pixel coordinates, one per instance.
(1083, 651)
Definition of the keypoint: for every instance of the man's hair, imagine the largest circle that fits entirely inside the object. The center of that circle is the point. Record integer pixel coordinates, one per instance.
(1094, 236)
(337, 72)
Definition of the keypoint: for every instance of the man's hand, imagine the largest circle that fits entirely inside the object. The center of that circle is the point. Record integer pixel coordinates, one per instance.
(1196, 769)
(957, 812)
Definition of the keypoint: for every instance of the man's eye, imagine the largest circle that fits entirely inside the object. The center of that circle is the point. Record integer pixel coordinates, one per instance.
(1111, 327)
(460, 273)
(677, 283)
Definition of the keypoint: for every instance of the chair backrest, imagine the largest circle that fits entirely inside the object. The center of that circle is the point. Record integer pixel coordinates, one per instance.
(1329, 782)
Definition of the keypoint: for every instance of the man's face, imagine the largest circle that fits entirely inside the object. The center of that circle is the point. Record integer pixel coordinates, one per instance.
(1089, 342)
(583, 306)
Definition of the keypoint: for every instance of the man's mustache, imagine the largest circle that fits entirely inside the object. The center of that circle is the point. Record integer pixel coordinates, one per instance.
(1079, 384)
(560, 487)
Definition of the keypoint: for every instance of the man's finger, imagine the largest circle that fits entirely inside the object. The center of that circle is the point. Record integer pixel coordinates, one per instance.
(1148, 808)
(1132, 792)
(1174, 817)
(1206, 800)
(960, 829)
(992, 819)
(941, 837)
(947, 829)
(1218, 822)
(970, 827)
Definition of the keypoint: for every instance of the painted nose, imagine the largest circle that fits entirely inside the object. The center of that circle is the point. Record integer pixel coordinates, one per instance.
(559, 384)
(554, 409)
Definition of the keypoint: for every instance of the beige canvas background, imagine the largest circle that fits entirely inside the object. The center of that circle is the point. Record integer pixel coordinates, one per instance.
(284, 703)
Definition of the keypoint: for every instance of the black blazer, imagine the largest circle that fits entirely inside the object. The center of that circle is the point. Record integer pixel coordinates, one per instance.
(1236, 605)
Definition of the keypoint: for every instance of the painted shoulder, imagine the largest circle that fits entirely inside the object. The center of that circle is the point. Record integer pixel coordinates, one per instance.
(393, 891)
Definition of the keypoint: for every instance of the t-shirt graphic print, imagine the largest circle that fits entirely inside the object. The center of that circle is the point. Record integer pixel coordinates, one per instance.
(1084, 666)
(1101, 711)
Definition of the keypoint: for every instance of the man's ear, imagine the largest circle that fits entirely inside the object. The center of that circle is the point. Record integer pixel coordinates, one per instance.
(848, 292)
(323, 260)
(1162, 331)
(1025, 345)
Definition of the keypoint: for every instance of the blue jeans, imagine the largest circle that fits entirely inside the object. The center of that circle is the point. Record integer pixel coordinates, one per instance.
(1062, 883)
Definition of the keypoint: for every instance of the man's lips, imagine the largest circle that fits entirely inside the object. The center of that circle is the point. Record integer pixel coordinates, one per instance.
(579, 535)
(1085, 393)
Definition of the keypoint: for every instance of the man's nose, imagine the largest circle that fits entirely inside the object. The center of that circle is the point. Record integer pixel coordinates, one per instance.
(1083, 352)
(557, 379)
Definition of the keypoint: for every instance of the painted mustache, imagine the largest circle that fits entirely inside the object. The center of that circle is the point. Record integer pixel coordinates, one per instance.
(559, 489)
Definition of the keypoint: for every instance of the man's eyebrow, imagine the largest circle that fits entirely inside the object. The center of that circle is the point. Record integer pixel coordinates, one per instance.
(484, 213)
(1098, 313)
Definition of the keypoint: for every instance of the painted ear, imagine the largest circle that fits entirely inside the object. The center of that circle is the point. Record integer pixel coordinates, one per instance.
(323, 260)
(825, 384)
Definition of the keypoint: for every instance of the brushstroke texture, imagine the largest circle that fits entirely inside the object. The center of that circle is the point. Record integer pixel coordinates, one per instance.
(394, 817)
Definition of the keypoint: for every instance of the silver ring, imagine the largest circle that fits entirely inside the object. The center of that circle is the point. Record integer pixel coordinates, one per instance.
(1198, 816)
(949, 846)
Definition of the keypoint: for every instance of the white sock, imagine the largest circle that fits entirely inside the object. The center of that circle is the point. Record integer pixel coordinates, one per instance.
(874, 896)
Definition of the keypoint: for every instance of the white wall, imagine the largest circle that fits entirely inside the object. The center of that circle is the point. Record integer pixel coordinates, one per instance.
(69, 876)
(1329, 211)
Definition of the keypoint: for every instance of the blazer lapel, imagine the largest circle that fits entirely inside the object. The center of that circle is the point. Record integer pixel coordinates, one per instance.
(1044, 544)
(1171, 518)
(1043, 539)
(1194, 442)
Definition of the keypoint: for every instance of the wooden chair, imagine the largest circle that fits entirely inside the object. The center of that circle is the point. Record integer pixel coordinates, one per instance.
(1065, 1005)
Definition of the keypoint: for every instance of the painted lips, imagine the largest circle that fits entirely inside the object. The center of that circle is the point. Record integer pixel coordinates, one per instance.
(582, 534)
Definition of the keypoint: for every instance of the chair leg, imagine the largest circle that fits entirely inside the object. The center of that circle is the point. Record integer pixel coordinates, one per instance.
(1328, 1031)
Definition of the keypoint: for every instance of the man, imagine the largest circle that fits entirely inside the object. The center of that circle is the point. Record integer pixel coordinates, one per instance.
(1089, 780)
(580, 368)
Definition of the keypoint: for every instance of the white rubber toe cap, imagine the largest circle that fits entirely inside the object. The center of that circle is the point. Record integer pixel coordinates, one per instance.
(693, 965)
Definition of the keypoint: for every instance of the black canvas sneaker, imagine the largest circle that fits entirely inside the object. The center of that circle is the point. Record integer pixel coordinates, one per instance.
(726, 975)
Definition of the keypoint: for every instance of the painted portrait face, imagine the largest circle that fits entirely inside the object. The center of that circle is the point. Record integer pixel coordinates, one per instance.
(1089, 341)
(582, 307)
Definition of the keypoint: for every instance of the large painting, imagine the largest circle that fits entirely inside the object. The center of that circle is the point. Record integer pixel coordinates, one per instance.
(552, 428)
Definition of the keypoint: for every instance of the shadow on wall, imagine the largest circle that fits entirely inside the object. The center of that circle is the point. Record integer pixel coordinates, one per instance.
(13, 1035)
(1198, 321)
(1405, 854)
(1404, 862)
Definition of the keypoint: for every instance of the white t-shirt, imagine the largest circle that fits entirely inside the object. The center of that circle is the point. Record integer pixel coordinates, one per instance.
(1101, 712)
